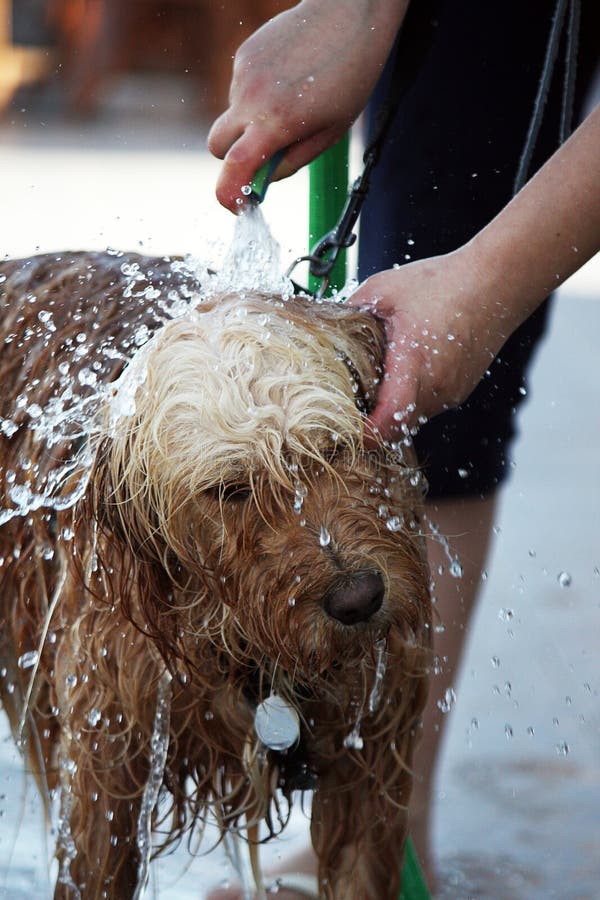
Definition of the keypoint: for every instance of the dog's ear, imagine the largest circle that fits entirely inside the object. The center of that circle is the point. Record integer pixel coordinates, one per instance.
(362, 350)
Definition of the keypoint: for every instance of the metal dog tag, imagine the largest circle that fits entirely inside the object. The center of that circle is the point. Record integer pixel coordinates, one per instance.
(276, 723)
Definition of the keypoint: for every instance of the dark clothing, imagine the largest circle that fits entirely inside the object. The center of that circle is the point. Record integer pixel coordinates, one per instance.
(447, 168)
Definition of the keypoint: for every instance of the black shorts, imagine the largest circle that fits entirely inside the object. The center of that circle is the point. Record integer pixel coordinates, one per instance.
(447, 168)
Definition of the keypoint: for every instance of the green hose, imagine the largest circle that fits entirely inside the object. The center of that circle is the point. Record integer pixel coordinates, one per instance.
(413, 882)
(328, 191)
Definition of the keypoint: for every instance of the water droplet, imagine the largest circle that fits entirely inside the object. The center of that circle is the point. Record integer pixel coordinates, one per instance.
(324, 537)
(94, 716)
(562, 748)
(447, 701)
(45, 317)
(69, 765)
(300, 494)
(530, 731)
(394, 524)
(456, 570)
(506, 615)
(508, 731)
(564, 579)
(246, 190)
(27, 660)
(496, 662)
(354, 741)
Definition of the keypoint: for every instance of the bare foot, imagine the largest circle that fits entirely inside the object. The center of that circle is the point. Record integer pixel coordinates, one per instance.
(304, 863)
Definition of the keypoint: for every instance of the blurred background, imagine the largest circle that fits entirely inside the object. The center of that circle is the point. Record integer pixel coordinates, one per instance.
(104, 110)
(73, 54)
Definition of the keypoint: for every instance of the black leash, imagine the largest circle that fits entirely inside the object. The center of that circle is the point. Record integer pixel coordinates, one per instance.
(566, 115)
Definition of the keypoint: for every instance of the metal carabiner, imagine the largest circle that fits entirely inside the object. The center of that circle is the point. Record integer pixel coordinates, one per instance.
(324, 254)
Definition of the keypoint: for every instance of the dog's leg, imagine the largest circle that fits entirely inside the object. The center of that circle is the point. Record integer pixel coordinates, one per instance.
(108, 701)
(358, 834)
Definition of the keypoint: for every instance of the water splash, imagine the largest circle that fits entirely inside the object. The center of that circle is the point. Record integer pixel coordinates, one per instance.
(377, 689)
(253, 260)
(75, 414)
(65, 838)
(159, 745)
(354, 741)
(238, 855)
(60, 583)
(455, 568)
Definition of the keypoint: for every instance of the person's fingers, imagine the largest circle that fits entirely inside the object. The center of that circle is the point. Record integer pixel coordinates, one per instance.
(397, 398)
(302, 152)
(255, 146)
(224, 131)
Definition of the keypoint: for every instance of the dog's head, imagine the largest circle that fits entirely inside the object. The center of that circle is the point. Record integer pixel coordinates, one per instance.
(236, 472)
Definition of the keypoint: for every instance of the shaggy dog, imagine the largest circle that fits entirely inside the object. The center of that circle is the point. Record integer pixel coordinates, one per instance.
(192, 528)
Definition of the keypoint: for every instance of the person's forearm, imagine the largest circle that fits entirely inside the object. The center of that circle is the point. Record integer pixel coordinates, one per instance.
(546, 232)
(383, 17)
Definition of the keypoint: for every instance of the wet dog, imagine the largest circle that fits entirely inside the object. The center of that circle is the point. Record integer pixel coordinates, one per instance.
(213, 593)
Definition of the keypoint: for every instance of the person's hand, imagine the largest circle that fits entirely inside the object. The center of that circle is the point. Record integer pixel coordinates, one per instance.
(447, 317)
(298, 84)
(444, 325)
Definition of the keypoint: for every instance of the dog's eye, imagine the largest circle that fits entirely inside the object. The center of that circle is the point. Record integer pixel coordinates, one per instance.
(233, 493)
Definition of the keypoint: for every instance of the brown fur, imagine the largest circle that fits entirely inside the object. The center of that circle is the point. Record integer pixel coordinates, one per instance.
(205, 596)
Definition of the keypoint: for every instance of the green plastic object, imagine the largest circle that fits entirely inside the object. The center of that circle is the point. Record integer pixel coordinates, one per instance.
(328, 175)
(262, 178)
(413, 883)
(328, 192)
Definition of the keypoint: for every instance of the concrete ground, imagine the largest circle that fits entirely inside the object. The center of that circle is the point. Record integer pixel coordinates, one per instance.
(518, 799)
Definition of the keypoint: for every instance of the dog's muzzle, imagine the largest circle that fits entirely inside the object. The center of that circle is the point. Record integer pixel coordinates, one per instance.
(356, 599)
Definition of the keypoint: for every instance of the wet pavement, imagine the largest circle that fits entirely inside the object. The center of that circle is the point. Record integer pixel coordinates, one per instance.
(518, 797)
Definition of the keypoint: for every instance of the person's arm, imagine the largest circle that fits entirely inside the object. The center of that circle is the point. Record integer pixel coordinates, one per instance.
(299, 82)
(447, 317)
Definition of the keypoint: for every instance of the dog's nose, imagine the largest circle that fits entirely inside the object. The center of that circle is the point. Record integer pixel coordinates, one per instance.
(356, 599)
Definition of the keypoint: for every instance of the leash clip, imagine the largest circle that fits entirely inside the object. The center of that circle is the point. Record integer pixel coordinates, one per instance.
(324, 254)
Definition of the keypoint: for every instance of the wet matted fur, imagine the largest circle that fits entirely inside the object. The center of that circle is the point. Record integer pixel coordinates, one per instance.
(229, 538)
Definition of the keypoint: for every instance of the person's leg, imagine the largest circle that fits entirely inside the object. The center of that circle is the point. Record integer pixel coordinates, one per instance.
(467, 524)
